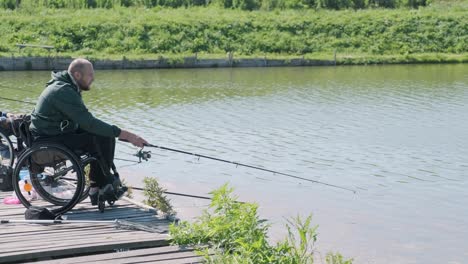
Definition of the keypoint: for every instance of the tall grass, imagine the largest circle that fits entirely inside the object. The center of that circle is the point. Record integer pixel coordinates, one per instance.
(101, 32)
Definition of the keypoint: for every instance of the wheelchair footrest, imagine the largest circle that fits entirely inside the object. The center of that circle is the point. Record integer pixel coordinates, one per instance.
(110, 195)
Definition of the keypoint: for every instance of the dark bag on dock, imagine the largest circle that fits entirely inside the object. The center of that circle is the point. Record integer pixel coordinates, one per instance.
(40, 213)
(5, 178)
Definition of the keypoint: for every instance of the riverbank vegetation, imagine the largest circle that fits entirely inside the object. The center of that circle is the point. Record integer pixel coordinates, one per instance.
(234, 233)
(237, 4)
(156, 198)
(434, 33)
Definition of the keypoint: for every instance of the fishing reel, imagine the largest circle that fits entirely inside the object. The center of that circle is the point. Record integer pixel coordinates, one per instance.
(143, 155)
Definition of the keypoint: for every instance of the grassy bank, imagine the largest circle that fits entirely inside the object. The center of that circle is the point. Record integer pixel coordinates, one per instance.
(431, 34)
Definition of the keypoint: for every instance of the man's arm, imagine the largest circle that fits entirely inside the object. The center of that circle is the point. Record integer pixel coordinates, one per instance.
(72, 106)
(132, 138)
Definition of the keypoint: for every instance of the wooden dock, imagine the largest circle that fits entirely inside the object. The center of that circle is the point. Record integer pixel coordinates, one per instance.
(85, 242)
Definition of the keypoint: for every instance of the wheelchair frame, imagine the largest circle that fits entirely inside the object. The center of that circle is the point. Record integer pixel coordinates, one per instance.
(22, 157)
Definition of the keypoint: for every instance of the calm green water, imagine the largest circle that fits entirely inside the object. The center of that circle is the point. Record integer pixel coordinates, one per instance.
(396, 134)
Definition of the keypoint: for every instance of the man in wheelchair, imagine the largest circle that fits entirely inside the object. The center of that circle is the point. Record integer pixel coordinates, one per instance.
(60, 116)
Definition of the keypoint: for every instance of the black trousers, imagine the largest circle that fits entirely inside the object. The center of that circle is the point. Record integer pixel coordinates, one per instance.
(100, 147)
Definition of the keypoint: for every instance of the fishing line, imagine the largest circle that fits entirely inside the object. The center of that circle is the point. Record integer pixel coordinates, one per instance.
(141, 152)
(136, 161)
(15, 100)
(16, 89)
(179, 194)
(117, 223)
(129, 165)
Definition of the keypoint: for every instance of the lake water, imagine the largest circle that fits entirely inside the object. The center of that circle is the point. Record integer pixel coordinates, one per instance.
(398, 135)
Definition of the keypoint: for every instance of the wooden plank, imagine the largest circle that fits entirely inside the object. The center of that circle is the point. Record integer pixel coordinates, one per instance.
(58, 236)
(13, 215)
(27, 242)
(110, 213)
(176, 258)
(74, 239)
(8, 229)
(154, 258)
(88, 246)
(192, 260)
(52, 235)
(35, 253)
(114, 214)
(26, 245)
(124, 254)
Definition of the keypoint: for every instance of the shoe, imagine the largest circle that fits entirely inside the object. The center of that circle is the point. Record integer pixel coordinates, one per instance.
(120, 192)
(119, 189)
(117, 183)
(93, 195)
(106, 192)
(112, 192)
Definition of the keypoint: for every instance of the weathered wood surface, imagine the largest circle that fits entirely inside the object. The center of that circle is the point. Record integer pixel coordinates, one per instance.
(168, 254)
(59, 243)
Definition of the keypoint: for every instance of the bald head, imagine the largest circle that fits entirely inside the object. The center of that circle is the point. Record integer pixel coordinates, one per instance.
(83, 73)
(79, 65)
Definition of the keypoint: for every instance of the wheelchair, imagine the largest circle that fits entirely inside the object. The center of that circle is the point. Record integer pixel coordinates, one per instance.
(48, 174)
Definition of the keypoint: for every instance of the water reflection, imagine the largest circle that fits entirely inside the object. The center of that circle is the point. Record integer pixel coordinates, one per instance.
(397, 134)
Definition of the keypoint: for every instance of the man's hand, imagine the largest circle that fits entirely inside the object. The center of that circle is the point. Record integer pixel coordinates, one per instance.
(132, 138)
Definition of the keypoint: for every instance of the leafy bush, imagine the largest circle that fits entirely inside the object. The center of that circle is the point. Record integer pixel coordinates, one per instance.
(234, 230)
(8, 4)
(155, 196)
(336, 258)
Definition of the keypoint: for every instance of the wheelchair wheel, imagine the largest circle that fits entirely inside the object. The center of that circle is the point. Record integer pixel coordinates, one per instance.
(7, 154)
(49, 175)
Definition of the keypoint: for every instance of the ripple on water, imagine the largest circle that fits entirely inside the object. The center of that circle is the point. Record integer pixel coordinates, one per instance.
(396, 134)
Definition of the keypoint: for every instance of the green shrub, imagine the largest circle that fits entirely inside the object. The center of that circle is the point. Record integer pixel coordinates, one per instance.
(8, 4)
(336, 258)
(155, 196)
(237, 234)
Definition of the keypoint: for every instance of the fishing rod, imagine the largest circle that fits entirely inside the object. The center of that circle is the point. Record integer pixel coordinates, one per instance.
(117, 223)
(15, 100)
(178, 194)
(57, 221)
(145, 155)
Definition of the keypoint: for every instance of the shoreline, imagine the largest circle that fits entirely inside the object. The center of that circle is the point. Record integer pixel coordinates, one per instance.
(39, 63)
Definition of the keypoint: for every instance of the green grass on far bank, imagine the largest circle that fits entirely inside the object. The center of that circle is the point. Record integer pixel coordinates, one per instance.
(431, 34)
(341, 59)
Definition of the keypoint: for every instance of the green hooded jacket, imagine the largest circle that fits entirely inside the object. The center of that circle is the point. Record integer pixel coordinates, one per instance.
(60, 110)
